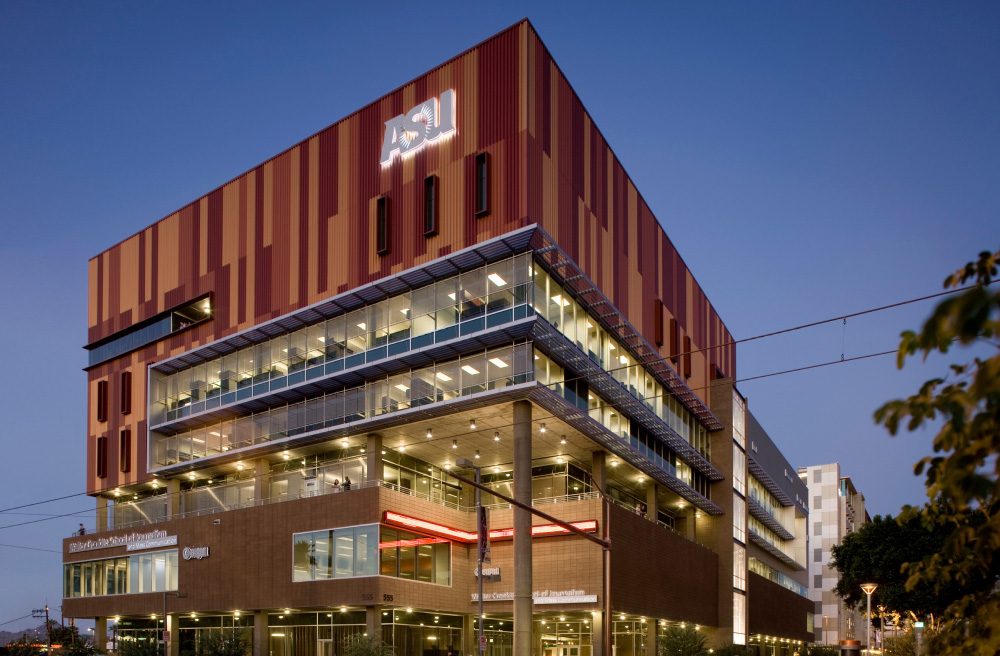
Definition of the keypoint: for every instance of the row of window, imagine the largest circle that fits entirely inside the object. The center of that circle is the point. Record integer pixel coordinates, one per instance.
(124, 398)
(414, 319)
(773, 575)
(370, 550)
(155, 571)
(383, 206)
(486, 370)
(124, 453)
(153, 329)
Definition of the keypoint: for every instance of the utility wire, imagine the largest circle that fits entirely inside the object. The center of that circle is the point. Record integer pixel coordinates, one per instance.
(843, 317)
(14, 620)
(17, 546)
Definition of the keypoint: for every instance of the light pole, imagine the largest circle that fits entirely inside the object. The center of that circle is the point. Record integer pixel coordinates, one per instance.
(868, 589)
(481, 529)
(179, 595)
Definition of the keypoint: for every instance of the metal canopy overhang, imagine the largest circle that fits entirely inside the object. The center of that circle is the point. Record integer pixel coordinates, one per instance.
(774, 551)
(769, 484)
(418, 276)
(355, 376)
(585, 292)
(568, 355)
(757, 512)
(533, 237)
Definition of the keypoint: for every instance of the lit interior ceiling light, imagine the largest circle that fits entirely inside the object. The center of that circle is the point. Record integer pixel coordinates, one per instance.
(402, 388)
(452, 296)
(443, 376)
(542, 428)
(430, 433)
(559, 460)
(498, 363)
(363, 326)
(496, 436)
(496, 469)
(447, 466)
(343, 443)
(405, 310)
(321, 339)
(402, 447)
(477, 454)
(589, 325)
(497, 280)
(469, 370)
(641, 479)
(614, 463)
(239, 465)
(560, 300)
(383, 451)
(611, 347)
(454, 444)
(191, 475)
(117, 493)
(472, 424)
(622, 359)
(285, 456)
(563, 440)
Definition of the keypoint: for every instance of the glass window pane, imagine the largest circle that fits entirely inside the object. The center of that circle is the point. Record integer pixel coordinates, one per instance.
(344, 560)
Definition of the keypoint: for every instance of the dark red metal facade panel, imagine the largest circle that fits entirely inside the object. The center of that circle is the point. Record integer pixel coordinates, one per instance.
(299, 227)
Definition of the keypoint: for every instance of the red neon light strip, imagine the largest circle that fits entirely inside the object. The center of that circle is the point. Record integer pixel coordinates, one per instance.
(541, 530)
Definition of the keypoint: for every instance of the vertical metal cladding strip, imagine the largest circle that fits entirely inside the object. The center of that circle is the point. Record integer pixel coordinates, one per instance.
(522, 530)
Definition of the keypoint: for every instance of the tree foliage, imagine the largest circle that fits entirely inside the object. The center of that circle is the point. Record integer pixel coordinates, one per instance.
(962, 475)
(21, 647)
(878, 553)
(137, 647)
(682, 641)
(363, 645)
(226, 642)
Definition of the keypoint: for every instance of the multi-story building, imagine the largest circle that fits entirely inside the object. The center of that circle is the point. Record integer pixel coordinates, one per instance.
(837, 510)
(285, 373)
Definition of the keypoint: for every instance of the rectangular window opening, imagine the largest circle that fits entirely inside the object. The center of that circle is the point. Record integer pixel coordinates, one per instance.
(102, 457)
(658, 321)
(430, 206)
(125, 450)
(102, 400)
(382, 225)
(482, 184)
(126, 393)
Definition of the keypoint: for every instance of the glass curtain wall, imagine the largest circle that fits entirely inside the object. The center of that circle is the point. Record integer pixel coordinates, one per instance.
(147, 572)
(434, 313)
(484, 370)
(314, 634)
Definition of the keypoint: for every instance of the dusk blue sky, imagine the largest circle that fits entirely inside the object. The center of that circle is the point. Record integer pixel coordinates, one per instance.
(808, 160)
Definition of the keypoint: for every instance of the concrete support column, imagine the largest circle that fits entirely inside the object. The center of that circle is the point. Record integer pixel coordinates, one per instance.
(173, 497)
(262, 480)
(470, 637)
(597, 637)
(651, 637)
(374, 452)
(373, 619)
(651, 502)
(522, 530)
(261, 634)
(100, 632)
(599, 471)
(102, 514)
(174, 645)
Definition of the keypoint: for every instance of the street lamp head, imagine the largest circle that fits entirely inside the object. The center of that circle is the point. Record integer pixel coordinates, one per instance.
(869, 588)
(465, 463)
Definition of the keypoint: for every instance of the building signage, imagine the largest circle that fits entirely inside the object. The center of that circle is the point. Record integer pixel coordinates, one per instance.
(131, 542)
(195, 553)
(427, 122)
(489, 574)
(543, 597)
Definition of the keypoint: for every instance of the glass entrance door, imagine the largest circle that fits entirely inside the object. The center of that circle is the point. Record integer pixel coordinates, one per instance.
(324, 648)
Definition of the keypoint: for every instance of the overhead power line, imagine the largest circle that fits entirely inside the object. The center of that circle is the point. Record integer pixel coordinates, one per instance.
(707, 348)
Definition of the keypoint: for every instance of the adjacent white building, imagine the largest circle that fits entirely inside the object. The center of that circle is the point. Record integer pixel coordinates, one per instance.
(837, 509)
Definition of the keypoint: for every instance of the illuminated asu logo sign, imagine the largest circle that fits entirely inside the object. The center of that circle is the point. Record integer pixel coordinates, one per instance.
(429, 121)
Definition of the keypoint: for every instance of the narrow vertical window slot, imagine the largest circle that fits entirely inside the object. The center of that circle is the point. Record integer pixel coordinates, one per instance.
(687, 356)
(382, 225)
(125, 450)
(430, 206)
(126, 393)
(658, 321)
(102, 457)
(102, 400)
(482, 184)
